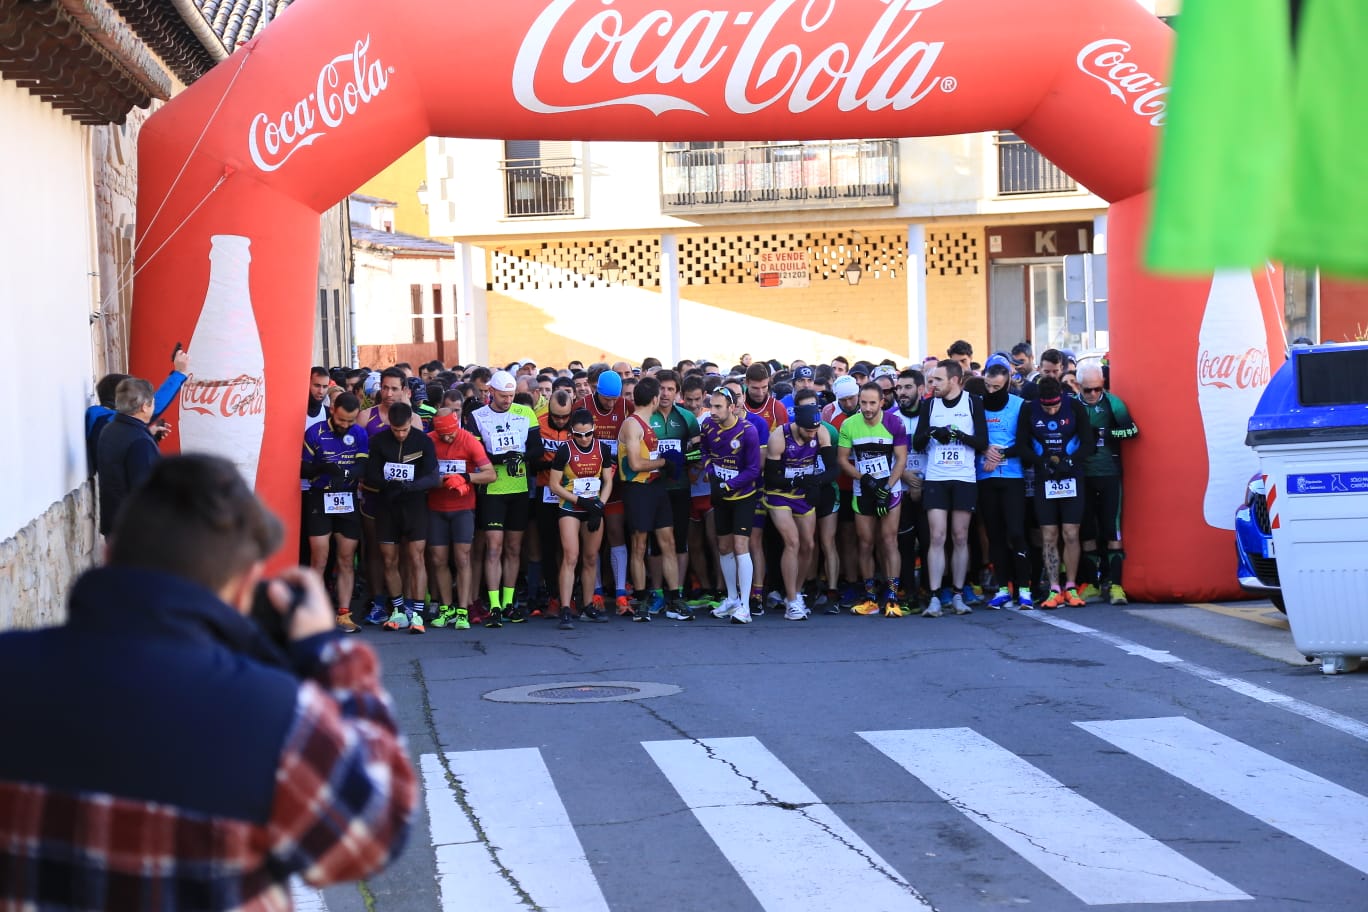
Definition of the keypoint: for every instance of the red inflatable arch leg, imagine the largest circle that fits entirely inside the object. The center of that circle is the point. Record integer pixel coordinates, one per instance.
(237, 168)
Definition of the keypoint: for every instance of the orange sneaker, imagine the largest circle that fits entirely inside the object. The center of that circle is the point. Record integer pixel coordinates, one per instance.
(1055, 600)
(1073, 599)
(623, 606)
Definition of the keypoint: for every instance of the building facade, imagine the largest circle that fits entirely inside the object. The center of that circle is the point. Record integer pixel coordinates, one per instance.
(881, 247)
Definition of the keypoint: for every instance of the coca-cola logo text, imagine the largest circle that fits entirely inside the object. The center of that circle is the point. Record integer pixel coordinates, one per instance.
(236, 398)
(887, 70)
(345, 83)
(1245, 371)
(1105, 60)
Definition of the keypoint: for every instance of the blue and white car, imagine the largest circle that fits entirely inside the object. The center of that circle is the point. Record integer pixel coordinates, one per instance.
(1255, 556)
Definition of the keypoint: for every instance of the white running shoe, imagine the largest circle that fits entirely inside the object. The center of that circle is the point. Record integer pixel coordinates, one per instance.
(726, 609)
(795, 611)
(958, 606)
(742, 614)
(933, 608)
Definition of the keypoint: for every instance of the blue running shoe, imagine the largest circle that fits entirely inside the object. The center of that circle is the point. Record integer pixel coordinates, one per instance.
(378, 615)
(657, 603)
(1002, 599)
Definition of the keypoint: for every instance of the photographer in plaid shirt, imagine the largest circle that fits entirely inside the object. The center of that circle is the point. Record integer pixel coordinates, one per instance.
(166, 753)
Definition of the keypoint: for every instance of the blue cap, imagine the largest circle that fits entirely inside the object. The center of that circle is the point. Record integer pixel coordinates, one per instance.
(999, 358)
(609, 384)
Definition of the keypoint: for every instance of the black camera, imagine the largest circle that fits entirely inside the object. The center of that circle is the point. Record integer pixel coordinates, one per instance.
(275, 624)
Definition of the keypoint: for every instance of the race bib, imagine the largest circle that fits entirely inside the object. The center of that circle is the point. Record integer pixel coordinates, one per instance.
(1058, 488)
(916, 463)
(586, 487)
(950, 457)
(612, 446)
(653, 454)
(798, 472)
(722, 473)
(337, 502)
(398, 471)
(504, 434)
(451, 466)
(873, 465)
(669, 446)
(549, 496)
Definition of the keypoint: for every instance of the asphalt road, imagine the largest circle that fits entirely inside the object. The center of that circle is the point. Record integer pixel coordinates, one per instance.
(1158, 757)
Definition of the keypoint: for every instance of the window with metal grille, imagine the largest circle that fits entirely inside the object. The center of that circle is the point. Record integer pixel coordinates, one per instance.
(1022, 169)
(416, 294)
(539, 178)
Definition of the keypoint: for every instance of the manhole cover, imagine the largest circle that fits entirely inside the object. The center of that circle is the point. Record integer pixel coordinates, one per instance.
(582, 692)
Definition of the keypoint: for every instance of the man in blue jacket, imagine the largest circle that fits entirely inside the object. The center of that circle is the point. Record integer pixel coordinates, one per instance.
(102, 412)
(167, 754)
(127, 451)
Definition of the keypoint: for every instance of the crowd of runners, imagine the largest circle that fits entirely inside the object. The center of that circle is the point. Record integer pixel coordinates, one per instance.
(451, 496)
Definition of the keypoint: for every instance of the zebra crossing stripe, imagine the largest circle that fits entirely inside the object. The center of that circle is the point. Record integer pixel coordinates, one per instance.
(792, 851)
(1087, 850)
(529, 855)
(1288, 798)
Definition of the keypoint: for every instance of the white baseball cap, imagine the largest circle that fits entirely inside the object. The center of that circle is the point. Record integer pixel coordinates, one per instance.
(502, 382)
(845, 386)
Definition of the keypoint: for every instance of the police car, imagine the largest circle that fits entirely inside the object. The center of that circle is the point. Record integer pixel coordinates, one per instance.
(1256, 560)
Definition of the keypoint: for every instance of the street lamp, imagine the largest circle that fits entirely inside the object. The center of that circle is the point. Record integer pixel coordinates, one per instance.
(609, 270)
(424, 195)
(853, 273)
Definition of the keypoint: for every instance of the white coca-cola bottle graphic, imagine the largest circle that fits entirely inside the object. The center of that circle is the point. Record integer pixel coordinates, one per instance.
(223, 401)
(1232, 371)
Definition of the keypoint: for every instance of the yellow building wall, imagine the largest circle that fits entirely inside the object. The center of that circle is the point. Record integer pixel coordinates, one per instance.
(399, 182)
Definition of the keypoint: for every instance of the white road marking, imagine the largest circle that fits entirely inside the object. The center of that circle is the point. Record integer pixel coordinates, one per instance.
(1318, 714)
(1090, 852)
(528, 837)
(792, 851)
(1288, 798)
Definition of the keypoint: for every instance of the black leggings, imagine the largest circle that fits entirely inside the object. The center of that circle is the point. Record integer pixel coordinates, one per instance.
(1002, 510)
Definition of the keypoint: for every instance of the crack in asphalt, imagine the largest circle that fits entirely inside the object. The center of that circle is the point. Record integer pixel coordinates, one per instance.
(462, 798)
(771, 800)
(971, 812)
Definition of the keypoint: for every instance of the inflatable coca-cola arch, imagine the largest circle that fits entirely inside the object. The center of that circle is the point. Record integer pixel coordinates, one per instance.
(241, 164)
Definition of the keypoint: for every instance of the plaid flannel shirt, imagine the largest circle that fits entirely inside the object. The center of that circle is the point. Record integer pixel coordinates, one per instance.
(344, 801)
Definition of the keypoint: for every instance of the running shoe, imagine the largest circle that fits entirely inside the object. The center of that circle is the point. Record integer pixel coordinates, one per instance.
(958, 606)
(516, 615)
(678, 610)
(565, 622)
(347, 625)
(445, 615)
(971, 595)
(462, 621)
(1056, 600)
(892, 608)
(796, 611)
(642, 613)
(1073, 599)
(726, 608)
(1117, 596)
(742, 614)
(867, 606)
(1024, 601)
(757, 606)
(623, 606)
(774, 600)
(494, 619)
(594, 613)
(933, 608)
(399, 620)
(377, 615)
(656, 604)
(1088, 592)
(416, 623)
(1003, 599)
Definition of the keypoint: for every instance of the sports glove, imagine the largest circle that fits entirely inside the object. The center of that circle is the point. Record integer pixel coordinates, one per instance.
(513, 464)
(456, 483)
(941, 434)
(808, 483)
(674, 464)
(870, 485)
(589, 504)
(883, 498)
(594, 521)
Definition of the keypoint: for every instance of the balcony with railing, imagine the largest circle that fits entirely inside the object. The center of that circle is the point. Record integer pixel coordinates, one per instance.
(1022, 170)
(539, 188)
(730, 177)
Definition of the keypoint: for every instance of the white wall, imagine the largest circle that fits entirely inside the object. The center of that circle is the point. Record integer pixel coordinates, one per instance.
(939, 176)
(384, 302)
(47, 294)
